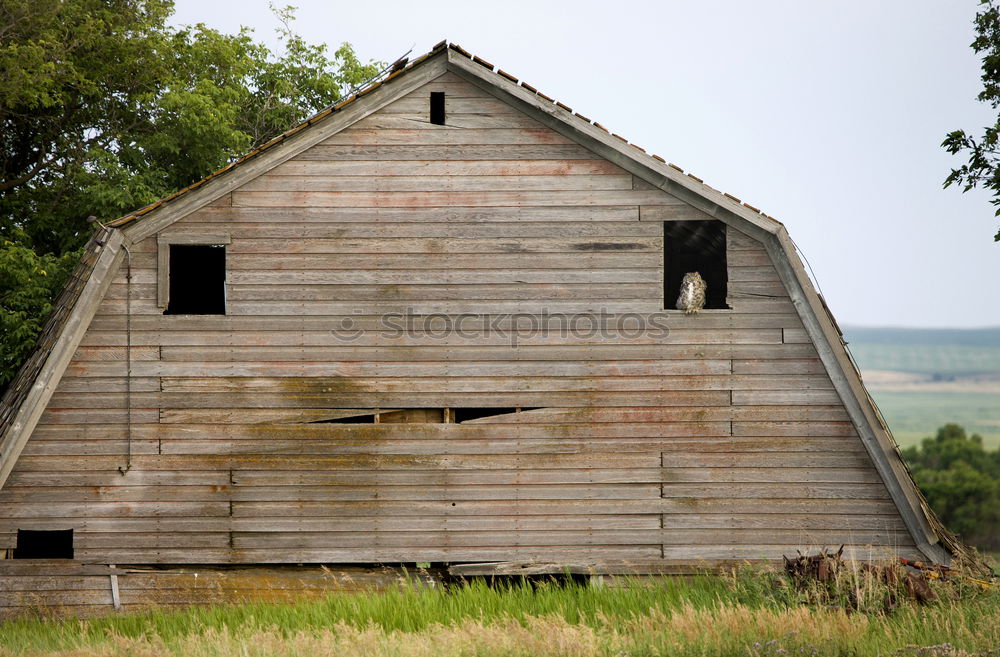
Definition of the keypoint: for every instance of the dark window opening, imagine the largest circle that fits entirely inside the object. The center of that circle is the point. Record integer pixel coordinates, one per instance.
(197, 280)
(437, 107)
(44, 544)
(690, 246)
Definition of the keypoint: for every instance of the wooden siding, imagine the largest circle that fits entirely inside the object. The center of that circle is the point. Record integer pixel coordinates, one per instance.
(61, 589)
(719, 438)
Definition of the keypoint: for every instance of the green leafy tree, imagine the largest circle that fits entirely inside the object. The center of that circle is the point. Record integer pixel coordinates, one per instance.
(28, 283)
(982, 169)
(961, 481)
(105, 108)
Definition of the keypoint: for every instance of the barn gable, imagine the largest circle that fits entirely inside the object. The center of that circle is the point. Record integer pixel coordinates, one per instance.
(745, 432)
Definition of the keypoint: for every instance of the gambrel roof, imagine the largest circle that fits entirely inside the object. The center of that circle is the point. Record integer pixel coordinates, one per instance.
(29, 394)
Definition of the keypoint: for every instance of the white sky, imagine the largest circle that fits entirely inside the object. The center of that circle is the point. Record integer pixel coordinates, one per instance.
(826, 115)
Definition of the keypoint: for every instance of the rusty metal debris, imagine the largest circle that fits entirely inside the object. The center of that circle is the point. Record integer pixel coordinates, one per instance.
(829, 579)
(933, 571)
(822, 567)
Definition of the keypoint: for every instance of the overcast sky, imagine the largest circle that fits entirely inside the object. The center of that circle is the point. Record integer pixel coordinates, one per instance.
(826, 115)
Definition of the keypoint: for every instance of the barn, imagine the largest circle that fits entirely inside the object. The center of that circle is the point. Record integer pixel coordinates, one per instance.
(436, 323)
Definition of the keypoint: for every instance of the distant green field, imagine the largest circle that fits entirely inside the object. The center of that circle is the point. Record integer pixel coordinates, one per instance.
(916, 415)
(942, 354)
(934, 359)
(987, 337)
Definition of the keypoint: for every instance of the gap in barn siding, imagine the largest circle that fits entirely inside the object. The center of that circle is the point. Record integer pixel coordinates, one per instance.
(466, 414)
(424, 416)
(368, 418)
(413, 416)
(44, 544)
(695, 246)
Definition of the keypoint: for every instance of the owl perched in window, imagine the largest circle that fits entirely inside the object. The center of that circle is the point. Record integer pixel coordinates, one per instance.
(692, 296)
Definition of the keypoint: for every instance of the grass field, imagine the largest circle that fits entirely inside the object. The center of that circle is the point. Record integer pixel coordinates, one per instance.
(942, 376)
(916, 415)
(753, 614)
(750, 615)
(941, 361)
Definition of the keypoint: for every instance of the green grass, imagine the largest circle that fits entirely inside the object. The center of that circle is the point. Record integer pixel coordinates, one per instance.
(753, 614)
(916, 415)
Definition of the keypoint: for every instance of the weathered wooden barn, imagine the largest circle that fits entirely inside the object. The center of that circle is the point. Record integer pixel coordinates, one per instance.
(435, 323)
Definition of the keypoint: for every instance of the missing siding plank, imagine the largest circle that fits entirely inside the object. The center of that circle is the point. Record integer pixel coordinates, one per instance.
(360, 416)
(354, 419)
(413, 416)
(469, 414)
(420, 415)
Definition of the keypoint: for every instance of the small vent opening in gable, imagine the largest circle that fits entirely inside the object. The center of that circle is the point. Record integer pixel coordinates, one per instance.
(44, 544)
(689, 246)
(197, 280)
(437, 107)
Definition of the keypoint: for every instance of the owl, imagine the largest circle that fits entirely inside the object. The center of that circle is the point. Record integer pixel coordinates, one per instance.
(692, 296)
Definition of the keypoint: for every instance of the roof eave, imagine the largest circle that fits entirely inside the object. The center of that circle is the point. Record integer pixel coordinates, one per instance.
(30, 410)
(875, 436)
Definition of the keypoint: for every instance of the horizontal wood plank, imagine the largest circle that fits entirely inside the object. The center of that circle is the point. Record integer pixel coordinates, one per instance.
(291, 199)
(450, 168)
(431, 183)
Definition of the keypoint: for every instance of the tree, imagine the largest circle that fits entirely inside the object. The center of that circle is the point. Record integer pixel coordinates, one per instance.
(28, 284)
(961, 481)
(105, 108)
(982, 168)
